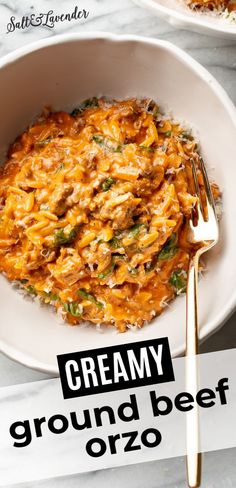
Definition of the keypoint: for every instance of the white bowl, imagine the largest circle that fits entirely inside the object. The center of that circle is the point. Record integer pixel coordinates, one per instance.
(67, 69)
(179, 15)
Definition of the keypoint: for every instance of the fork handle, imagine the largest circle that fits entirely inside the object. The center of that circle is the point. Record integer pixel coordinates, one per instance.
(192, 425)
(192, 308)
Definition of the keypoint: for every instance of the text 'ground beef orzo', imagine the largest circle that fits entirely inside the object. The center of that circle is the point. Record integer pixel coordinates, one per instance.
(95, 209)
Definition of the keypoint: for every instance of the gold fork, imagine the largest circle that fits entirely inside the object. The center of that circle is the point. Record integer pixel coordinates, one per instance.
(205, 232)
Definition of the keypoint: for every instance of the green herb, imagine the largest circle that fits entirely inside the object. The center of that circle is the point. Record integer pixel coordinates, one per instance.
(107, 272)
(107, 184)
(168, 133)
(109, 143)
(186, 136)
(169, 250)
(62, 166)
(74, 308)
(51, 296)
(62, 239)
(149, 149)
(118, 148)
(99, 139)
(119, 257)
(133, 271)
(84, 294)
(163, 147)
(31, 290)
(155, 112)
(114, 243)
(75, 112)
(153, 108)
(134, 230)
(89, 103)
(44, 141)
(178, 279)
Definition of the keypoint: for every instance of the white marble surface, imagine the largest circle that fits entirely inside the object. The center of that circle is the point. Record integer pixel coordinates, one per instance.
(219, 57)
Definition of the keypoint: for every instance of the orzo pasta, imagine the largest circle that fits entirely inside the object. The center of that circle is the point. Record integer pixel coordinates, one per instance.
(213, 4)
(95, 209)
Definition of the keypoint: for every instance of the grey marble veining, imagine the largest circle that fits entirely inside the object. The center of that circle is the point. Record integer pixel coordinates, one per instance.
(219, 57)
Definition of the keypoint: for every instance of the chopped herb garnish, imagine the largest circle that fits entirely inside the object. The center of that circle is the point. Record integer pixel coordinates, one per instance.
(110, 144)
(107, 272)
(168, 133)
(89, 103)
(149, 149)
(107, 184)
(31, 290)
(51, 296)
(155, 112)
(169, 249)
(153, 108)
(62, 239)
(62, 166)
(178, 279)
(74, 308)
(118, 148)
(99, 139)
(88, 296)
(133, 271)
(119, 257)
(186, 136)
(114, 243)
(75, 112)
(134, 230)
(44, 141)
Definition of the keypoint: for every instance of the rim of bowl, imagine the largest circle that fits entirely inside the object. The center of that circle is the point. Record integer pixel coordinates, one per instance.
(186, 19)
(199, 70)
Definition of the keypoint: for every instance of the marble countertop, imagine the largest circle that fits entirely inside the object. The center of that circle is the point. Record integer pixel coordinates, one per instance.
(219, 57)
